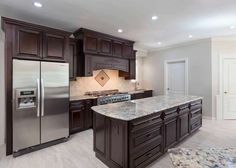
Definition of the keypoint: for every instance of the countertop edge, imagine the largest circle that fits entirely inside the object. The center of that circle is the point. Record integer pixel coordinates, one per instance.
(154, 112)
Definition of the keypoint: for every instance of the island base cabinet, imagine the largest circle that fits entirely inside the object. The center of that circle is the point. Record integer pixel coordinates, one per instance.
(137, 143)
(110, 141)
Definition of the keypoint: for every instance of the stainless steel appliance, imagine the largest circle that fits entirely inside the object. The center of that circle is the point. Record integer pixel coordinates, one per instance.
(40, 103)
(113, 99)
(109, 96)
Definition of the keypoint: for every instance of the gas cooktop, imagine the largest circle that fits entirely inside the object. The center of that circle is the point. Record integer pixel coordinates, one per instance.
(109, 96)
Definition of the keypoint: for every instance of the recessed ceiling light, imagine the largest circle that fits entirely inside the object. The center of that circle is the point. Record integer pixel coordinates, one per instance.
(38, 4)
(232, 27)
(159, 43)
(120, 30)
(154, 17)
(190, 36)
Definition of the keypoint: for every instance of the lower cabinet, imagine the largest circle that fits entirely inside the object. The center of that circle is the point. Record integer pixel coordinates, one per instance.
(81, 117)
(139, 142)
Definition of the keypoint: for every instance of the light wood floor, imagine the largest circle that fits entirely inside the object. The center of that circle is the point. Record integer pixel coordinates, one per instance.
(78, 151)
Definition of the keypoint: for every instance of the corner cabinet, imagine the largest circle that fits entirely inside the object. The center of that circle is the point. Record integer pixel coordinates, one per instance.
(40, 43)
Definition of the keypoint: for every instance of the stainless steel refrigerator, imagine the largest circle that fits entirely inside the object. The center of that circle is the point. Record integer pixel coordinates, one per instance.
(40, 103)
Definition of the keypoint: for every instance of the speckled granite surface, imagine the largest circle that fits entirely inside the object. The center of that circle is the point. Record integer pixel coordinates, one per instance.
(138, 108)
(203, 158)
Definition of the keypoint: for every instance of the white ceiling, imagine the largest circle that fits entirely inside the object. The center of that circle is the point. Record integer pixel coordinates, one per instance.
(177, 18)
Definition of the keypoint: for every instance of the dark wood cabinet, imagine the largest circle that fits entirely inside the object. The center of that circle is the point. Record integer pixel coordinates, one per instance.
(37, 42)
(54, 47)
(105, 46)
(117, 48)
(141, 95)
(183, 121)
(127, 51)
(27, 43)
(90, 44)
(139, 142)
(93, 45)
(81, 115)
(72, 59)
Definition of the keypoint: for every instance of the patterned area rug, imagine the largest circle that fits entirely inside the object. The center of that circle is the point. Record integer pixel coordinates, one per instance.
(203, 158)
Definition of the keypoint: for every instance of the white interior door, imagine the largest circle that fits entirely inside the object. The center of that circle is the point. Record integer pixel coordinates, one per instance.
(176, 78)
(229, 88)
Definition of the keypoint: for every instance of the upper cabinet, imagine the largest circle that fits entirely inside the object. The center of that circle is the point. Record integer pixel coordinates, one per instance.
(102, 44)
(101, 51)
(72, 59)
(90, 44)
(54, 46)
(37, 42)
(28, 43)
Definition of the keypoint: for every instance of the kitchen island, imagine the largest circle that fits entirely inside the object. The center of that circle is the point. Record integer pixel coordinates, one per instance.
(133, 134)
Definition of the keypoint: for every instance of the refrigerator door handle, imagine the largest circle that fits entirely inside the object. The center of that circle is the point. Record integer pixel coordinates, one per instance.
(38, 98)
(42, 107)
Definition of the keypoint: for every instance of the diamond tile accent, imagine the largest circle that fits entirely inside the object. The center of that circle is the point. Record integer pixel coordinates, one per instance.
(102, 78)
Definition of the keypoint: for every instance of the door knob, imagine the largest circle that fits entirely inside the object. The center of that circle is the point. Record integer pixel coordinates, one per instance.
(168, 88)
(225, 92)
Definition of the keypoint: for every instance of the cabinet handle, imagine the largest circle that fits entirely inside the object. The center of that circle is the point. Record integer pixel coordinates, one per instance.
(148, 135)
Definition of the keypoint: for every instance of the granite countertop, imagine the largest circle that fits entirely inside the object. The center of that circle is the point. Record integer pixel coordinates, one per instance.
(130, 110)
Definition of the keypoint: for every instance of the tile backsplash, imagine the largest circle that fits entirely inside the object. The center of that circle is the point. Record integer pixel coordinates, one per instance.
(85, 84)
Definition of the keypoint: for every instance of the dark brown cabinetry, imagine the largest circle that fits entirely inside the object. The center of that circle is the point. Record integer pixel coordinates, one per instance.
(54, 46)
(28, 43)
(102, 51)
(137, 143)
(81, 115)
(105, 46)
(31, 42)
(72, 59)
(38, 42)
(141, 95)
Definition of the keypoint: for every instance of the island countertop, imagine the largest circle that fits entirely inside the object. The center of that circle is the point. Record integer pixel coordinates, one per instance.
(134, 109)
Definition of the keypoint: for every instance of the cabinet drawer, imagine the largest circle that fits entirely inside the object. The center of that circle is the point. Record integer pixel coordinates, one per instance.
(146, 136)
(147, 156)
(196, 125)
(146, 122)
(79, 105)
(196, 112)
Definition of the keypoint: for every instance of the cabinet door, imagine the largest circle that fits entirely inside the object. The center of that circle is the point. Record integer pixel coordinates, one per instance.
(77, 116)
(90, 44)
(170, 130)
(72, 60)
(28, 43)
(54, 47)
(89, 113)
(117, 49)
(105, 46)
(127, 51)
(132, 69)
(183, 126)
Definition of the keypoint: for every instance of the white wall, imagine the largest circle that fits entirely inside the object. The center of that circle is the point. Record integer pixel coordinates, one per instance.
(2, 90)
(199, 58)
(221, 47)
